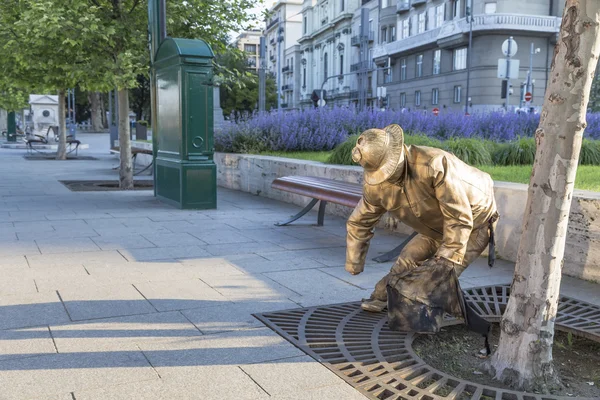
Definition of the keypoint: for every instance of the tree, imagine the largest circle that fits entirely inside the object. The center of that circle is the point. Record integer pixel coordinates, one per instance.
(524, 355)
(44, 48)
(139, 98)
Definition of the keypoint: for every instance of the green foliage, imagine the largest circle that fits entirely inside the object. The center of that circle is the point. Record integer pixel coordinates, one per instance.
(11, 98)
(342, 154)
(520, 152)
(422, 140)
(471, 151)
(590, 152)
(142, 122)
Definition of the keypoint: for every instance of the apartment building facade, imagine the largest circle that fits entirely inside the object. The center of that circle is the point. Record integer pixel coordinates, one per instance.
(282, 32)
(249, 43)
(429, 55)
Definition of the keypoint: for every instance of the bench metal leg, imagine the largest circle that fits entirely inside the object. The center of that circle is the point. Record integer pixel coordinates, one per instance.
(395, 252)
(145, 168)
(321, 216)
(306, 209)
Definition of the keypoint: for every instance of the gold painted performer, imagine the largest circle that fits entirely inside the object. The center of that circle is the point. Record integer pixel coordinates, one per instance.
(448, 203)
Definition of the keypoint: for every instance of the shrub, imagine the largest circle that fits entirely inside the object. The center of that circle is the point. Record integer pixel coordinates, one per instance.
(590, 152)
(422, 140)
(471, 151)
(342, 154)
(519, 152)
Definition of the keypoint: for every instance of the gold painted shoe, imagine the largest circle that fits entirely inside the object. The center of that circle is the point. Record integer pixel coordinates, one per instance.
(373, 305)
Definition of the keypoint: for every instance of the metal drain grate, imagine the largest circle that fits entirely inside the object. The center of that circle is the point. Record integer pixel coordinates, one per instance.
(360, 348)
(104, 186)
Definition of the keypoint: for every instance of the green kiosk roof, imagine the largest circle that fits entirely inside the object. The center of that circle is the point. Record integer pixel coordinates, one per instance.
(184, 48)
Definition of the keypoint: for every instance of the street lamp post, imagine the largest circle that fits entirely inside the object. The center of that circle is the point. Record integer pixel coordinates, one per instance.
(532, 51)
(470, 16)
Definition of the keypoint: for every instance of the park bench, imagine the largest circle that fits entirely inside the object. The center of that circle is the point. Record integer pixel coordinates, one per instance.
(44, 140)
(325, 191)
(135, 151)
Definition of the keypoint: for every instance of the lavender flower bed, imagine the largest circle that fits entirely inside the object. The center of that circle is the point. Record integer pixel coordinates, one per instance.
(324, 128)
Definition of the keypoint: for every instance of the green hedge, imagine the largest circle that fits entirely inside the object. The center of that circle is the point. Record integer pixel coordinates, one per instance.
(476, 151)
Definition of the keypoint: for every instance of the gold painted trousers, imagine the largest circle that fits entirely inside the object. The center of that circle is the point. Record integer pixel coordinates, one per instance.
(422, 247)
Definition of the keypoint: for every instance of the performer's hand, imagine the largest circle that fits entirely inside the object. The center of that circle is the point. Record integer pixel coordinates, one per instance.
(438, 261)
(354, 269)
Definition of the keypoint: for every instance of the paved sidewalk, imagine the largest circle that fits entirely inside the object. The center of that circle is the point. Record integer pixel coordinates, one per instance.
(114, 295)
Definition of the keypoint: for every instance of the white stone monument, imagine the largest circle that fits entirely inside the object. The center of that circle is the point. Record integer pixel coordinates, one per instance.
(44, 112)
(3, 119)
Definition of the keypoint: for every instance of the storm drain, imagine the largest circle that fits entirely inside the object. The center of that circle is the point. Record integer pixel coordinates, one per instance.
(361, 349)
(52, 156)
(103, 186)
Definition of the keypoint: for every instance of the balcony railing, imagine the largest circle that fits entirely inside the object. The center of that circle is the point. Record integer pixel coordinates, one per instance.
(287, 68)
(361, 65)
(287, 87)
(355, 41)
(452, 29)
(272, 22)
(354, 94)
(403, 6)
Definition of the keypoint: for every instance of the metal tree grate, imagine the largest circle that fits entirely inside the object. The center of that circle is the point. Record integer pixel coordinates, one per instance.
(361, 349)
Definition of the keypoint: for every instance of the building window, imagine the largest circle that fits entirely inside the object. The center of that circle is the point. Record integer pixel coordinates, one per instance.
(341, 64)
(489, 8)
(383, 37)
(250, 48)
(414, 24)
(325, 66)
(419, 66)
(435, 96)
(460, 58)
(402, 99)
(393, 34)
(439, 15)
(405, 29)
(384, 3)
(418, 98)
(457, 94)
(403, 69)
(422, 26)
(455, 12)
(305, 24)
(303, 77)
(342, 5)
(437, 61)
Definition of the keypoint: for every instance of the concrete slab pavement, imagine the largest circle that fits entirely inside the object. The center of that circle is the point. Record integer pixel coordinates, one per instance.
(115, 295)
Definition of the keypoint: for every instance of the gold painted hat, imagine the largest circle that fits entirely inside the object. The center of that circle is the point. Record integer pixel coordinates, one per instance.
(380, 152)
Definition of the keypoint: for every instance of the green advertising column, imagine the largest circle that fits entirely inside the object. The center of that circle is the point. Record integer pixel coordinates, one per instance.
(186, 175)
(11, 131)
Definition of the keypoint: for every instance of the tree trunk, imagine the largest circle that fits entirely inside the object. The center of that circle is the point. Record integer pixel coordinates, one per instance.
(126, 168)
(61, 152)
(96, 111)
(524, 355)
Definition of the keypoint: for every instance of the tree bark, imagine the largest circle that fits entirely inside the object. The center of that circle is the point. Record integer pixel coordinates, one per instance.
(524, 355)
(61, 152)
(126, 167)
(96, 111)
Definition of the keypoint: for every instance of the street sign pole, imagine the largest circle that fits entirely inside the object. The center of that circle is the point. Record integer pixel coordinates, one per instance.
(508, 72)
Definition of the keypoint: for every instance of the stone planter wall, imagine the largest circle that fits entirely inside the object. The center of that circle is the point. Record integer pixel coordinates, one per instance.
(254, 174)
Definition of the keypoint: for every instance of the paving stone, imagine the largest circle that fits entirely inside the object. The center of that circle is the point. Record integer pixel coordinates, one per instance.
(216, 382)
(56, 374)
(249, 288)
(209, 267)
(230, 348)
(163, 253)
(233, 317)
(260, 265)
(16, 283)
(104, 302)
(242, 248)
(484, 281)
(174, 239)
(122, 242)
(365, 280)
(19, 311)
(181, 295)
(121, 333)
(315, 287)
(308, 374)
(13, 262)
(18, 248)
(25, 342)
(334, 392)
(222, 236)
(73, 245)
(65, 259)
(37, 226)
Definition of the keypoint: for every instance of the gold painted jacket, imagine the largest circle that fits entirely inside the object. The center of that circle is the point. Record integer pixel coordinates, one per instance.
(438, 196)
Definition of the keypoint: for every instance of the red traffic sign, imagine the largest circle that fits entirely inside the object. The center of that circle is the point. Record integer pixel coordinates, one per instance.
(436, 111)
(528, 96)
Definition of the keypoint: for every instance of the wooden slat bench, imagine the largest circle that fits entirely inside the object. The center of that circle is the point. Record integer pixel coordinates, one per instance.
(134, 153)
(325, 190)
